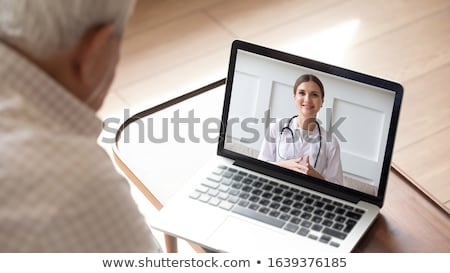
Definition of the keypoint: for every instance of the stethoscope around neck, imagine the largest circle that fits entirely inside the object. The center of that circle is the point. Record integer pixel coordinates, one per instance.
(287, 128)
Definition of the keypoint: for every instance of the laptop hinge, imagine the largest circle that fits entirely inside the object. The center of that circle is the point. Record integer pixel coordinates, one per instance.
(316, 185)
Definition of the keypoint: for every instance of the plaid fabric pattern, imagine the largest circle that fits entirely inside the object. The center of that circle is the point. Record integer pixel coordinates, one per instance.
(59, 191)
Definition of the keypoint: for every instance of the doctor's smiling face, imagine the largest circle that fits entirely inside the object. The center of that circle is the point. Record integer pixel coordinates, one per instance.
(308, 96)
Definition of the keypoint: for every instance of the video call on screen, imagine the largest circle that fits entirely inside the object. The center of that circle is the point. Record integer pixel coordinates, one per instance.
(356, 114)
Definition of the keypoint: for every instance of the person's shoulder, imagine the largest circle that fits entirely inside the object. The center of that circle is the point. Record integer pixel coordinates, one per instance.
(276, 123)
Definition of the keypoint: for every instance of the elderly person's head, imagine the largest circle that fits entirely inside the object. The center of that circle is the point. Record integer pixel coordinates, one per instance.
(76, 42)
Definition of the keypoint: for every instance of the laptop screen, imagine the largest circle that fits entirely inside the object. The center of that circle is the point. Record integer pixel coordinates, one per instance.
(308, 119)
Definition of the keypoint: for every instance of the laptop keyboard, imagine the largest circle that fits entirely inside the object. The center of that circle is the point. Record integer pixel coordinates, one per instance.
(279, 205)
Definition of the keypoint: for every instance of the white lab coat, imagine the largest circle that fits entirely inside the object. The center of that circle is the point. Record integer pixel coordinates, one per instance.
(278, 147)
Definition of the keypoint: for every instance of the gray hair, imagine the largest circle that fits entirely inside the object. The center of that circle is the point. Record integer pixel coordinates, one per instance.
(45, 27)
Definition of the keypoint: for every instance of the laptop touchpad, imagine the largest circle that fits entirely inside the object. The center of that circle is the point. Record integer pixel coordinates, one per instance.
(235, 232)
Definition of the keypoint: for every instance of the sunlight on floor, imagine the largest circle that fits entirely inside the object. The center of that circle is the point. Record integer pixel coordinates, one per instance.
(318, 46)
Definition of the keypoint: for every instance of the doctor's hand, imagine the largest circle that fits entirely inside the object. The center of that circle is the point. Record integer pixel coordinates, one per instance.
(306, 168)
(296, 165)
(292, 164)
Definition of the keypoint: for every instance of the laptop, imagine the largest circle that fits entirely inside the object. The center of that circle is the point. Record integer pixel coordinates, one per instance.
(243, 200)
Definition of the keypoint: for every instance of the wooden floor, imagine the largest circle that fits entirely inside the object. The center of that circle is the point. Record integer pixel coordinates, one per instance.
(172, 47)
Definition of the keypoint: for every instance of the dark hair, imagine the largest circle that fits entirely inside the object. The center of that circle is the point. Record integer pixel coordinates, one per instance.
(307, 78)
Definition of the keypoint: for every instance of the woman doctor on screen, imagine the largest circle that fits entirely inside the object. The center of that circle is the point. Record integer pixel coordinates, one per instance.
(299, 143)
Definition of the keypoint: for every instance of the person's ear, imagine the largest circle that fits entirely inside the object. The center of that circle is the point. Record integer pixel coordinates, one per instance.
(89, 53)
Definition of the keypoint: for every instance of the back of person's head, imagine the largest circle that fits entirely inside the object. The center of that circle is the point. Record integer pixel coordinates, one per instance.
(44, 27)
